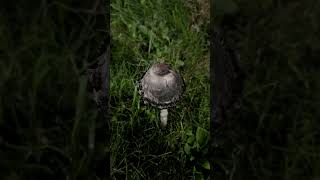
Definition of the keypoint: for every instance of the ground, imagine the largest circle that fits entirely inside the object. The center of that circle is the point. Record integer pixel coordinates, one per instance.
(47, 111)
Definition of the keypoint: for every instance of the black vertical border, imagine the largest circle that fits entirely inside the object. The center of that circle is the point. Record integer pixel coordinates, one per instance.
(212, 92)
(219, 63)
(103, 132)
(99, 77)
(227, 77)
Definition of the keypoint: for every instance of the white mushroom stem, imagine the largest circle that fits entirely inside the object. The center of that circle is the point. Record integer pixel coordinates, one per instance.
(164, 117)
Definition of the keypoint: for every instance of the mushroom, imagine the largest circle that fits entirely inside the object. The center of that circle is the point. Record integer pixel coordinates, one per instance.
(161, 87)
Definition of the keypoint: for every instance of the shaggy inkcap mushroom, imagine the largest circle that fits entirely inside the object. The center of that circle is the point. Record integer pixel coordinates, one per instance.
(161, 87)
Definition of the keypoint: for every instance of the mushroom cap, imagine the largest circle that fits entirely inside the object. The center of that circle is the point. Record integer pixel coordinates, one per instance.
(161, 86)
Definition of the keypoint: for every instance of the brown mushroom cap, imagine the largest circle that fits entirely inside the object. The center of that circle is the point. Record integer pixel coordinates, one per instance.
(161, 86)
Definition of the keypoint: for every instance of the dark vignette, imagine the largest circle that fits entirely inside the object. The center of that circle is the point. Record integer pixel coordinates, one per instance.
(45, 50)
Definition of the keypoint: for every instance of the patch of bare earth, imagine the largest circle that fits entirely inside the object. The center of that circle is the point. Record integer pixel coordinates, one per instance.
(200, 13)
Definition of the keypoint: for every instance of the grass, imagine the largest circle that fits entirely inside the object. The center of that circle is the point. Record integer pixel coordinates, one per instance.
(143, 33)
(47, 112)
